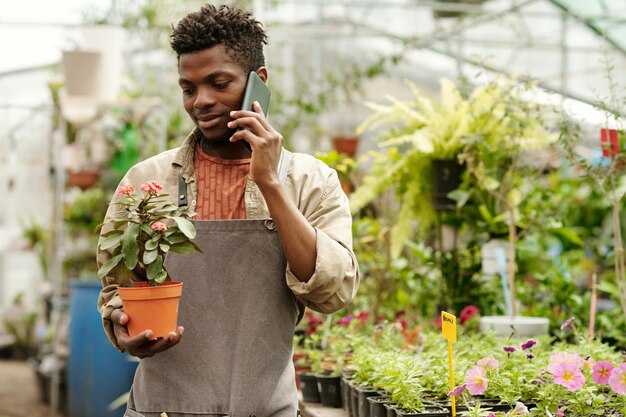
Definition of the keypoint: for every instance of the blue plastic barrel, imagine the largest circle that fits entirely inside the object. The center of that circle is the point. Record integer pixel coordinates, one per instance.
(97, 374)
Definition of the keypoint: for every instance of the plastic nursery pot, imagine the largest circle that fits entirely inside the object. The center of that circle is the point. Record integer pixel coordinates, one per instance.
(446, 177)
(329, 386)
(354, 399)
(429, 411)
(377, 405)
(345, 394)
(524, 326)
(308, 386)
(364, 406)
(151, 308)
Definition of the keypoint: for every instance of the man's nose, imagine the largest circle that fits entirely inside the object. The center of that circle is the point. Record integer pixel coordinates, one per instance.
(204, 98)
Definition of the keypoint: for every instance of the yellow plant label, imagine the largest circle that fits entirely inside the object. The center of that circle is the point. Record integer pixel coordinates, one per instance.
(448, 326)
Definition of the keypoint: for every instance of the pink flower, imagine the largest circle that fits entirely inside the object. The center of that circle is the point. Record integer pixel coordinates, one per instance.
(568, 324)
(602, 372)
(476, 380)
(345, 320)
(457, 391)
(151, 187)
(124, 190)
(467, 313)
(557, 358)
(520, 409)
(491, 415)
(569, 376)
(528, 344)
(617, 379)
(560, 413)
(158, 226)
(488, 363)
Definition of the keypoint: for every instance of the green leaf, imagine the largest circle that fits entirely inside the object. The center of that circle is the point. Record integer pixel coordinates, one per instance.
(149, 231)
(149, 256)
(161, 277)
(130, 249)
(185, 226)
(109, 265)
(184, 247)
(176, 238)
(155, 269)
(111, 240)
(152, 244)
(569, 235)
(164, 247)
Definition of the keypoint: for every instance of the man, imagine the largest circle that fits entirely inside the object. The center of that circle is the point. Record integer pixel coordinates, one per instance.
(275, 230)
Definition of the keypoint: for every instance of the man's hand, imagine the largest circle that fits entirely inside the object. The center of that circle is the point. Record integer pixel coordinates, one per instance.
(142, 345)
(265, 141)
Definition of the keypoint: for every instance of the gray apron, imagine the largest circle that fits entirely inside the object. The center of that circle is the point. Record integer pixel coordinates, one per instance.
(235, 358)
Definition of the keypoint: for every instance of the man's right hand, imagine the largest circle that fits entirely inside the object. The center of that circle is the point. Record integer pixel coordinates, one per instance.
(141, 345)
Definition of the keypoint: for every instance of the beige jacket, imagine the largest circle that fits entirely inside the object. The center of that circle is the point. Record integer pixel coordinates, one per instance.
(312, 186)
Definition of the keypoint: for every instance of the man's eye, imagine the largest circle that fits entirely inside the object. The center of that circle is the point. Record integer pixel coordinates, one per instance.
(220, 86)
(187, 91)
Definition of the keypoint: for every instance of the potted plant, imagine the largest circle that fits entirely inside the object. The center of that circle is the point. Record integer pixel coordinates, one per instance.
(146, 228)
(423, 138)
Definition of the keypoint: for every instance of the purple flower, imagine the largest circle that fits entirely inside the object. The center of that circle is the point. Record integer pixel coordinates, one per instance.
(528, 344)
(457, 391)
(345, 320)
(509, 349)
(530, 356)
(568, 324)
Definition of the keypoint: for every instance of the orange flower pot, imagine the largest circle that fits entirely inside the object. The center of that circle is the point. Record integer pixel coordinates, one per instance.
(151, 308)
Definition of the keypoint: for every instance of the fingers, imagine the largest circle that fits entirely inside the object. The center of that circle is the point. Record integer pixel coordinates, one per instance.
(143, 345)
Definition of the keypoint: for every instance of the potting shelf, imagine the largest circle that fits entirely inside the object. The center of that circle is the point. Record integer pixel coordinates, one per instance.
(319, 410)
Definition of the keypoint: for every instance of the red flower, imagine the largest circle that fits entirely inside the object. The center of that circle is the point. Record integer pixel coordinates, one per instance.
(468, 312)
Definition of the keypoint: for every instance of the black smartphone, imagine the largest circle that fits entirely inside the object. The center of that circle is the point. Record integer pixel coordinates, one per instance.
(256, 90)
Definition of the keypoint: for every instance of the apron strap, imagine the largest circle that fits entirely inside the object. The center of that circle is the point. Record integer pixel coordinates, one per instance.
(182, 192)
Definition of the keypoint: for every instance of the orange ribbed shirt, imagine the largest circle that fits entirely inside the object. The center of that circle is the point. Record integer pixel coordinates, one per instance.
(221, 186)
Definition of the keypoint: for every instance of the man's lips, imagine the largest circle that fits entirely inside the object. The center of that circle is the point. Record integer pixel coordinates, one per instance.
(208, 121)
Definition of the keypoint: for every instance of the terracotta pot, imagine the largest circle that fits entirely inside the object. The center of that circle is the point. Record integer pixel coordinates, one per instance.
(346, 144)
(82, 179)
(151, 308)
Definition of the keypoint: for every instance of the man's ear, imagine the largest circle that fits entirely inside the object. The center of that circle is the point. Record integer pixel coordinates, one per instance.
(262, 73)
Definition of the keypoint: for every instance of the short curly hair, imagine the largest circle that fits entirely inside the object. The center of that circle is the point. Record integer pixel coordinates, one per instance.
(238, 31)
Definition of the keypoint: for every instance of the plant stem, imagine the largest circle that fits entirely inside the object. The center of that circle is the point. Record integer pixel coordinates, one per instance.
(511, 260)
(618, 244)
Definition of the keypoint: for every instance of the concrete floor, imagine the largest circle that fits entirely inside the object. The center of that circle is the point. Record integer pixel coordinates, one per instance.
(19, 394)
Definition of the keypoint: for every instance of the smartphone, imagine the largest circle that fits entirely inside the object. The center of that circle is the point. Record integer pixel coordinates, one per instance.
(256, 90)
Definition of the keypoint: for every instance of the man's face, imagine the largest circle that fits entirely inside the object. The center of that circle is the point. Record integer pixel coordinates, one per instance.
(213, 86)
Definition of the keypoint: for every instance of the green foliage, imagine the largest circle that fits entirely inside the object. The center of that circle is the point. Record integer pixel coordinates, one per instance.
(148, 226)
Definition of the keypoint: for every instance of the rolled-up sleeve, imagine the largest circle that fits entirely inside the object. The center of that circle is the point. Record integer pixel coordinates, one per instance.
(336, 278)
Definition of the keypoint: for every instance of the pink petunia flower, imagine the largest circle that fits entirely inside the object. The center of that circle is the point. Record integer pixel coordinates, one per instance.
(457, 391)
(151, 187)
(617, 379)
(468, 313)
(569, 376)
(520, 409)
(124, 190)
(488, 363)
(568, 324)
(345, 320)
(528, 344)
(476, 381)
(557, 358)
(602, 372)
(560, 413)
(158, 226)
